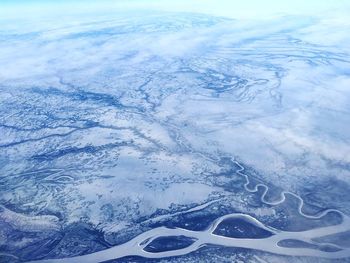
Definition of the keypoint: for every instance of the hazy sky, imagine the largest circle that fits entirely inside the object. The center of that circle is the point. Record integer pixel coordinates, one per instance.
(230, 8)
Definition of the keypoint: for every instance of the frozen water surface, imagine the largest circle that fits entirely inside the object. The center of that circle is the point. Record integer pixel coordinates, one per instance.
(175, 137)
